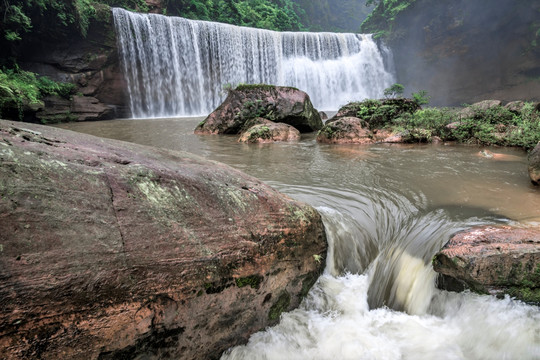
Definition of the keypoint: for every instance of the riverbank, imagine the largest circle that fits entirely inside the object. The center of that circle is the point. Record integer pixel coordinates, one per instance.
(487, 123)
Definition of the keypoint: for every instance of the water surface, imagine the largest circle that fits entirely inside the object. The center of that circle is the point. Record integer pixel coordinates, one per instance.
(387, 209)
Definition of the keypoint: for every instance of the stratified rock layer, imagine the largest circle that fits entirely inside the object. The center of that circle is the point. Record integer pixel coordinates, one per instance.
(496, 260)
(276, 103)
(115, 250)
(90, 62)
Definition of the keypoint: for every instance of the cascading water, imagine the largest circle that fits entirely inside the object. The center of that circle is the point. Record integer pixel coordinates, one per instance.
(178, 67)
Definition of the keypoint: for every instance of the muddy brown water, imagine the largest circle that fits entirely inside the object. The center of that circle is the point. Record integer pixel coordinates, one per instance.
(387, 209)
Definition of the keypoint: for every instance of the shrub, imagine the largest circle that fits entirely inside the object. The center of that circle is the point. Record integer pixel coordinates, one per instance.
(421, 97)
(395, 90)
(495, 126)
(19, 89)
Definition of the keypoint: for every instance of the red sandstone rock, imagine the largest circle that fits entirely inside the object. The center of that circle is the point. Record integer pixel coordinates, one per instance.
(493, 259)
(115, 250)
(266, 131)
(279, 104)
(386, 136)
(345, 130)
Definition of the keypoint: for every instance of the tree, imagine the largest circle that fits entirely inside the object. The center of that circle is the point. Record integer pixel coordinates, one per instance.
(421, 97)
(393, 91)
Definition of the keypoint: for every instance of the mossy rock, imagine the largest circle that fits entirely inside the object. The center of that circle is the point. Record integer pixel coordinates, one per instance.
(276, 103)
(377, 113)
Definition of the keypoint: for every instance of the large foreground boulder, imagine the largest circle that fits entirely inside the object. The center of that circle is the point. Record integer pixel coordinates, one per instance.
(495, 260)
(111, 250)
(276, 103)
(534, 165)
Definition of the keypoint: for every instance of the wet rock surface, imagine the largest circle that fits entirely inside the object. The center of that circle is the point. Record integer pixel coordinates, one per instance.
(276, 103)
(345, 130)
(114, 250)
(492, 259)
(534, 165)
(266, 131)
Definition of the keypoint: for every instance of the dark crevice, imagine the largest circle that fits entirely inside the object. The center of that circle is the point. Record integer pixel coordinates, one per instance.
(111, 193)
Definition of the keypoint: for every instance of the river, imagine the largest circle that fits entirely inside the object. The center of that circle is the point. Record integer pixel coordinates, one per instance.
(387, 209)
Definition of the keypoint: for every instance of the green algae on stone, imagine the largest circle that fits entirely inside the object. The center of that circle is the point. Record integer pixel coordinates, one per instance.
(280, 306)
(253, 280)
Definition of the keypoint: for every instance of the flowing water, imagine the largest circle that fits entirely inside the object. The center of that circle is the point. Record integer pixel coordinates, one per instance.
(387, 210)
(172, 65)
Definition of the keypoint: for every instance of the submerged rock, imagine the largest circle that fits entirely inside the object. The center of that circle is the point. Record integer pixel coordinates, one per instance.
(115, 250)
(345, 130)
(494, 260)
(534, 165)
(276, 103)
(266, 131)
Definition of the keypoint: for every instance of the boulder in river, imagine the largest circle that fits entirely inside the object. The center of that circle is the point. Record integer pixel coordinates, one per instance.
(276, 103)
(345, 130)
(492, 260)
(266, 131)
(113, 250)
(534, 165)
(377, 113)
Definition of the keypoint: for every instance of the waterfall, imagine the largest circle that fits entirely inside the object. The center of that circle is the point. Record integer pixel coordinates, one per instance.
(179, 67)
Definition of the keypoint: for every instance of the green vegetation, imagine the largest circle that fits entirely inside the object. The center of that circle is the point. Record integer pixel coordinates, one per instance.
(20, 89)
(395, 90)
(257, 132)
(254, 281)
(331, 15)
(382, 20)
(421, 97)
(379, 113)
(495, 126)
(281, 305)
(281, 15)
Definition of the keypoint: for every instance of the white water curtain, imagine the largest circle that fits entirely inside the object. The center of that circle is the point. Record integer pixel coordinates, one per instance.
(178, 67)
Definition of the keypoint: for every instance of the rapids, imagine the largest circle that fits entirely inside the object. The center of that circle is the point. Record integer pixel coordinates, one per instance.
(387, 210)
(177, 67)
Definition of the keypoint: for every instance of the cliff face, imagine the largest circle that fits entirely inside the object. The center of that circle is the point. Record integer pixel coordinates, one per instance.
(90, 62)
(339, 16)
(462, 51)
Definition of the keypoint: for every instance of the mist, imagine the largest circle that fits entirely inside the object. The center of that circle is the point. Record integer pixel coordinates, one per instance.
(469, 50)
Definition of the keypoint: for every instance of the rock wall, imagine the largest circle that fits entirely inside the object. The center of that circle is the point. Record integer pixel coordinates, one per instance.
(90, 62)
(463, 51)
